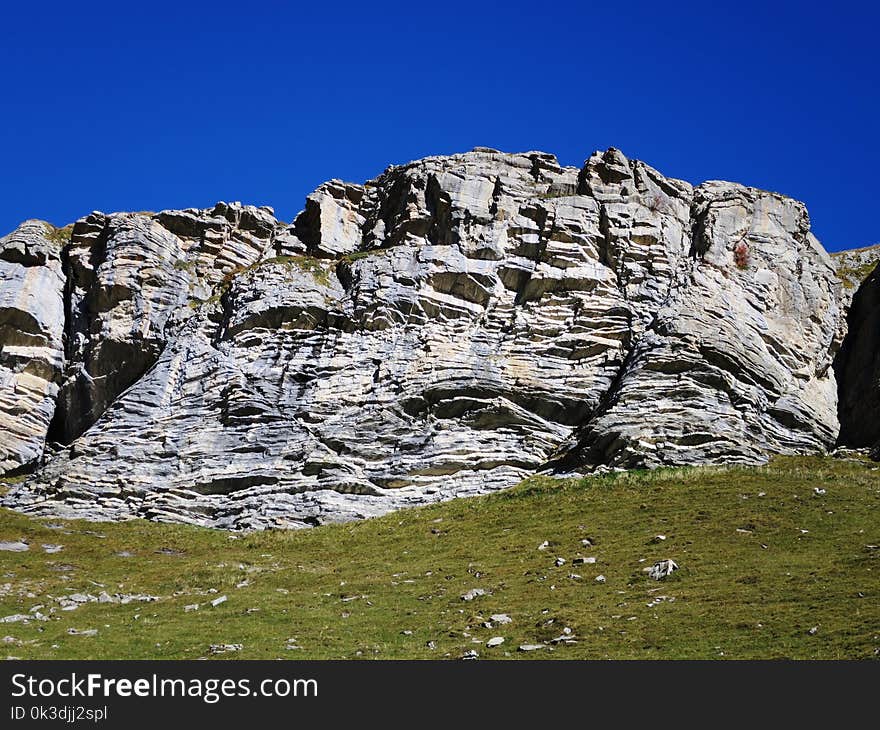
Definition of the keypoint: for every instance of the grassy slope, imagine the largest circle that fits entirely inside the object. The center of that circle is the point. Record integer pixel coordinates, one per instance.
(752, 594)
(854, 265)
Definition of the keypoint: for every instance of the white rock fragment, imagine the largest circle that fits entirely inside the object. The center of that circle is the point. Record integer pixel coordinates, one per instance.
(16, 546)
(661, 569)
(15, 618)
(83, 632)
(224, 648)
(472, 594)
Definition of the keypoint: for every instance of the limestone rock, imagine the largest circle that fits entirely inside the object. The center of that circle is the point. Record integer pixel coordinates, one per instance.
(662, 569)
(31, 346)
(731, 357)
(444, 330)
(130, 279)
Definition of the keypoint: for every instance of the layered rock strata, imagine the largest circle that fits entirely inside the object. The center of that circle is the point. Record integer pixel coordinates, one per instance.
(446, 329)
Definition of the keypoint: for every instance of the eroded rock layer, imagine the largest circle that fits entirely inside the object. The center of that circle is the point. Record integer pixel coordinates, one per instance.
(31, 348)
(446, 329)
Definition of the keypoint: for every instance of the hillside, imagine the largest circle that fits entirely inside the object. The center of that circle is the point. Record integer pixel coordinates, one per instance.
(775, 561)
(854, 265)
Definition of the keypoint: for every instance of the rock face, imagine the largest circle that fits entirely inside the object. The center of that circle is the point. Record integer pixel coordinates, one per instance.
(858, 367)
(446, 329)
(31, 348)
(128, 276)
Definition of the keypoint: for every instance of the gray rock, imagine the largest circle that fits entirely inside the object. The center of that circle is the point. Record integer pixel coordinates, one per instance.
(531, 647)
(495, 641)
(472, 594)
(500, 618)
(82, 632)
(15, 546)
(445, 330)
(662, 569)
(15, 618)
(224, 648)
(31, 345)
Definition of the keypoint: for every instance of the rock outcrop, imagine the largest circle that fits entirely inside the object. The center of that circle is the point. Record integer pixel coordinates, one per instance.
(858, 367)
(446, 329)
(31, 347)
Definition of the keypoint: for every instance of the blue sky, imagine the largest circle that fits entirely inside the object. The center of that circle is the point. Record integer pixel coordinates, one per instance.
(144, 106)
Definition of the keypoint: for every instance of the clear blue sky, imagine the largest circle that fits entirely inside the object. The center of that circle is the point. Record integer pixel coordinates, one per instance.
(151, 105)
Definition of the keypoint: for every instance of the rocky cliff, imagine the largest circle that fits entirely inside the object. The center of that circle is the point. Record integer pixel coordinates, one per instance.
(857, 365)
(446, 329)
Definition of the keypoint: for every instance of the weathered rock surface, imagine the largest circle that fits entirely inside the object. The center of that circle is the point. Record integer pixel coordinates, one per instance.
(444, 330)
(130, 276)
(31, 347)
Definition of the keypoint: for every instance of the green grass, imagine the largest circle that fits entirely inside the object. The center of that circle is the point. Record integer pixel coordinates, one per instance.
(319, 269)
(852, 276)
(757, 573)
(60, 236)
(358, 255)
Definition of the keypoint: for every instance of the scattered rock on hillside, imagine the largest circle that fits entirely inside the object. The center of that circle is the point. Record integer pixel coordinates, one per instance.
(472, 594)
(662, 569)
(531, 647)
(224, 648)
(16, 546)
